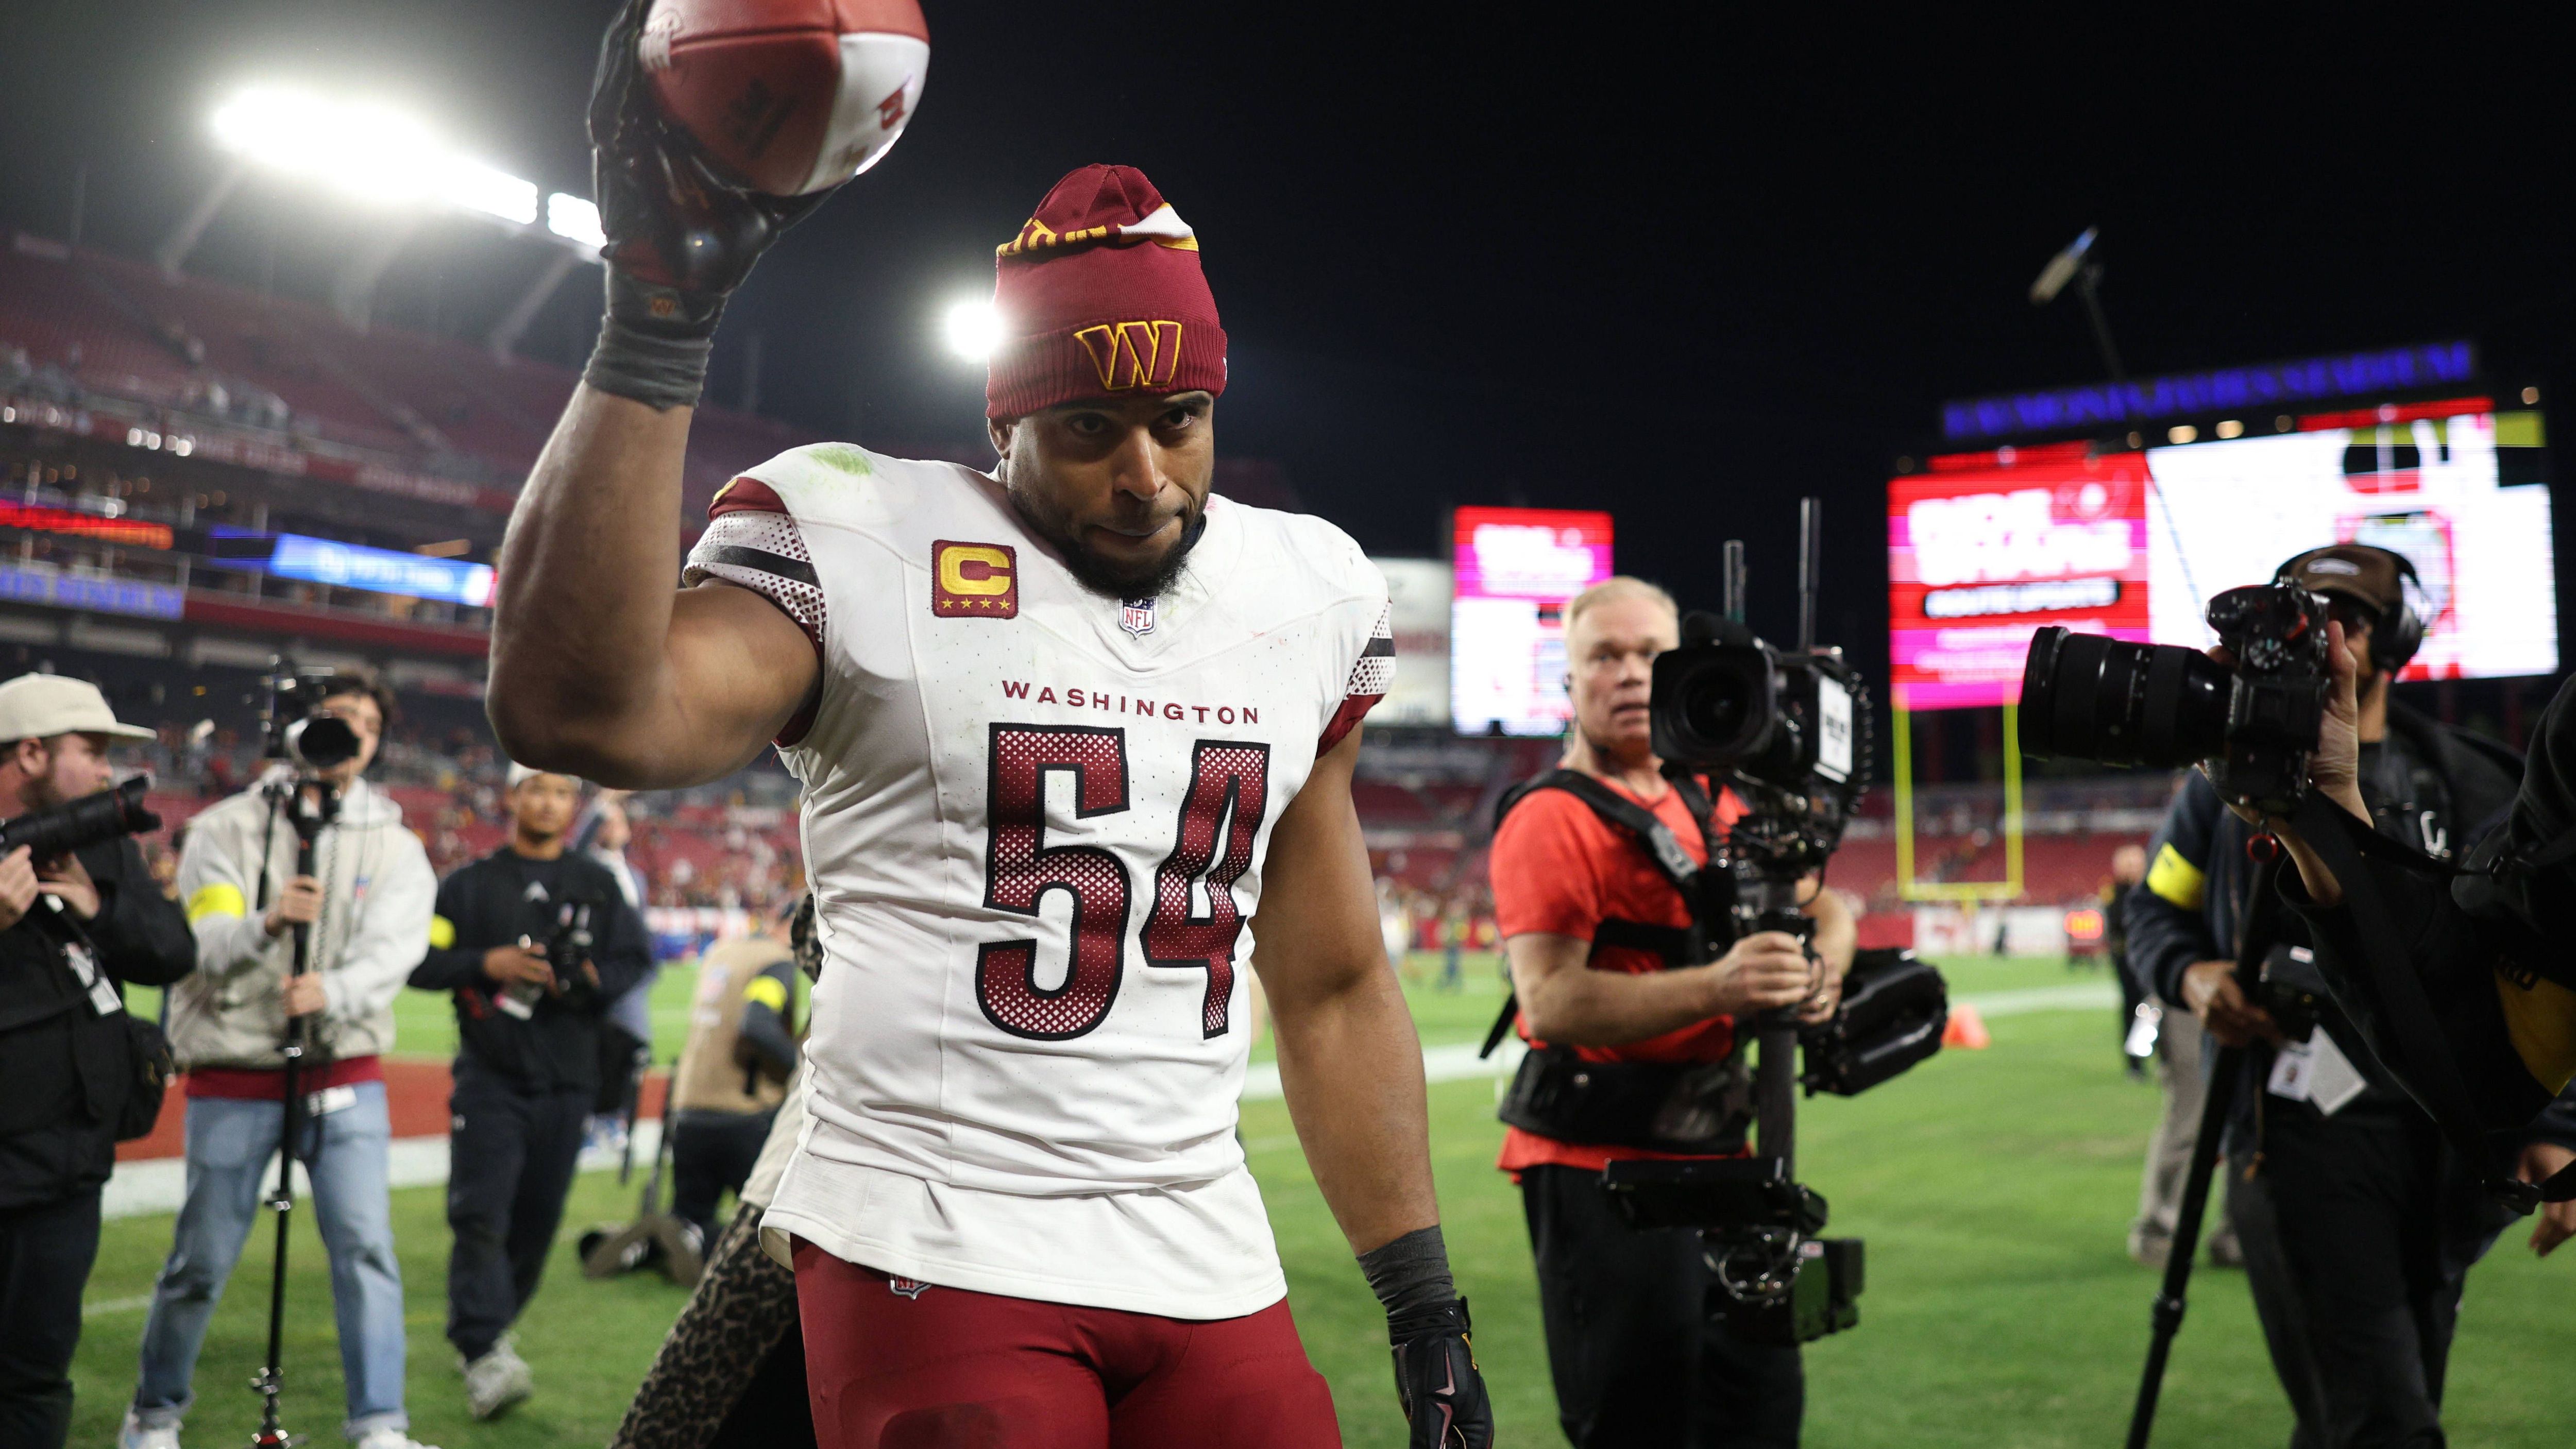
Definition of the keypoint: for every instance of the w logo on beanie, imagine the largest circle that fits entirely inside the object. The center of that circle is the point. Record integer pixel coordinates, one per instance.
(1133, 354)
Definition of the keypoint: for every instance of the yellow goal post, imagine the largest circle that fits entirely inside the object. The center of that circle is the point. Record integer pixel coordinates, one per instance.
(2010, 887)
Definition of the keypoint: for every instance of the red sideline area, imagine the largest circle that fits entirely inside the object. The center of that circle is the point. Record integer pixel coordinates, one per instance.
(415, 1097)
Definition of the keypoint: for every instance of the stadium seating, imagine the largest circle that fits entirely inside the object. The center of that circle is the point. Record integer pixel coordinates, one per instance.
(122, 328)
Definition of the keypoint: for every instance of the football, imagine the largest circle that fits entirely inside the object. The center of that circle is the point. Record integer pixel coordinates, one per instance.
(787, 96)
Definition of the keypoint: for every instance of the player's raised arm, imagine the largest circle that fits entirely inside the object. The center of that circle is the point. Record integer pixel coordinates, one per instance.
(599, 666)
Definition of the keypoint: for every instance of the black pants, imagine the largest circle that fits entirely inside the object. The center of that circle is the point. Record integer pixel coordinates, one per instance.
(511, 1159)
(2358, 1234)
(45, 1256)
(712, 1154)
(621, 1060)
(1638, 1360)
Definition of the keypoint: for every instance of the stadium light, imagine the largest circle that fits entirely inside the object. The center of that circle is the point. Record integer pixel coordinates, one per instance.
(367, 150)
(476, 187)
(2061, 268)
(383, 156)
(574, 220)
(2076, 264)
(973, 329)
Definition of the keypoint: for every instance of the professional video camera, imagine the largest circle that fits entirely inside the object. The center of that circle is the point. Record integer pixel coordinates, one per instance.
(79, 824)
(2088, 697)
(294, 725)
(1789, 731)
(1787, 724)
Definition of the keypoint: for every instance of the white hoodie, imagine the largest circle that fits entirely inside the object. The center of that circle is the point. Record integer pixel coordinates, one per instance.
(377, 896)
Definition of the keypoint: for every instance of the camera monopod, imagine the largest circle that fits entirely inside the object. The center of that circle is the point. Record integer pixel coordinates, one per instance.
(1766, 879)
(2253, 943)
(310, 806)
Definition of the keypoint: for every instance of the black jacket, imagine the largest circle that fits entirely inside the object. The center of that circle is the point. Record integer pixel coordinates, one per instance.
(65, 1069)
(2198, 875)
(499, 900)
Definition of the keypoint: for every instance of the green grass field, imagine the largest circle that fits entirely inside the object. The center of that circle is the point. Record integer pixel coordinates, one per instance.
(1993, 1187)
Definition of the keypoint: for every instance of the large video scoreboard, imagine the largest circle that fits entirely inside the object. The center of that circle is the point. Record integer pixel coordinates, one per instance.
(1514, 570)
(1985, 547)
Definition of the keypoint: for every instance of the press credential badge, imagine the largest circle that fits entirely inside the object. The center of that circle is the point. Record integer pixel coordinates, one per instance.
(102, 992)
(2317, 1072)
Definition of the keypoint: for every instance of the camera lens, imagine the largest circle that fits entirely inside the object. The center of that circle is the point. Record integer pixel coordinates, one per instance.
(1713, 705)
(2091, 697)
(321, 741)
(1717, 705)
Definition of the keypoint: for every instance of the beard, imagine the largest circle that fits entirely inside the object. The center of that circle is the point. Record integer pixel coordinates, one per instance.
(1111, 578)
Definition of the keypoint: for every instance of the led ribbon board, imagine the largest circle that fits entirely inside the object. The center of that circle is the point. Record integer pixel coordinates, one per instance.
(355, 566)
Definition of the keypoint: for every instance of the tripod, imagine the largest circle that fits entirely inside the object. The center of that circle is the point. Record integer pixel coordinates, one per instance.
(310, 805)
(655, 1237)
(2253, 942)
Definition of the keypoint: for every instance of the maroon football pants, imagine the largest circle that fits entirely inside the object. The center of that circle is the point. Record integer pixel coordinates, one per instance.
(894, 1364)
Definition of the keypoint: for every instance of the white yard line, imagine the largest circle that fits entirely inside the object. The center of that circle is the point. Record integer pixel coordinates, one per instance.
(160, 1184)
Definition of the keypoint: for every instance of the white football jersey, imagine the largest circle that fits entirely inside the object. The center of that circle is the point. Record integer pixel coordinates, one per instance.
(1034, 821)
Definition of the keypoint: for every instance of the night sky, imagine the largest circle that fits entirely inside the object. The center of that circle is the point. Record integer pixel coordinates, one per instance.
(1645, 259)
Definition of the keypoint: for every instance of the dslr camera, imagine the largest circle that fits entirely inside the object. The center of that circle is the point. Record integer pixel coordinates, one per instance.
(82, 823)
(2256, 725)
(295, 727)
(566, 946)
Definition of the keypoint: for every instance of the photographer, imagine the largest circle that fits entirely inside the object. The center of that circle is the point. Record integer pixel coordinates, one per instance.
(367, 916)
(508, 941)
(1637, 1358)
(73, 931)
(2480, 953)
(2356, 1225)
(733, 1071)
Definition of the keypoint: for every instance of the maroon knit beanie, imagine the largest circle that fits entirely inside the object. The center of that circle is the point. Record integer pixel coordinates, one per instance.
(1100, 295)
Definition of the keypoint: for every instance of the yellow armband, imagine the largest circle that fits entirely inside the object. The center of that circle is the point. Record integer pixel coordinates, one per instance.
(218, 899)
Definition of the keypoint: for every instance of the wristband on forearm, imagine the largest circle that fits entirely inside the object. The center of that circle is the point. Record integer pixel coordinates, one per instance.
(654, 342)
(1411, 1274)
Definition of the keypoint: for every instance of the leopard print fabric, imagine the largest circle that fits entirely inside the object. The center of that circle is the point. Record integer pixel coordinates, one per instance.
(741, 1308)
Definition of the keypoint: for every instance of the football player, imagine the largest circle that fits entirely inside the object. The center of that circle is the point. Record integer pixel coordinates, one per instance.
(1072, 735)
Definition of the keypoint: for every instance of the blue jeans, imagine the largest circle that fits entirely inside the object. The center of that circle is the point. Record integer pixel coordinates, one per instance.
(230, 1147)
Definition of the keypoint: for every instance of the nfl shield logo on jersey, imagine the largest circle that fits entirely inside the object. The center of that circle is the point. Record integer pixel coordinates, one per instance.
(1136, 616)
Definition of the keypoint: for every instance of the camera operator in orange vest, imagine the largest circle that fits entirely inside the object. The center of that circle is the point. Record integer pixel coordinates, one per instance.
(1614, 1001)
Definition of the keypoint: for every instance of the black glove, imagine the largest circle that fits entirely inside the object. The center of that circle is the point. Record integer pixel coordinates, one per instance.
(1436, 1379)
(680, 237)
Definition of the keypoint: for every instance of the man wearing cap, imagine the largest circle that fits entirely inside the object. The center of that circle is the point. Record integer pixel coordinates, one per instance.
(2356, 1225)
(73, 931)
(1062, 729)
(533, 940)
(365, 911)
